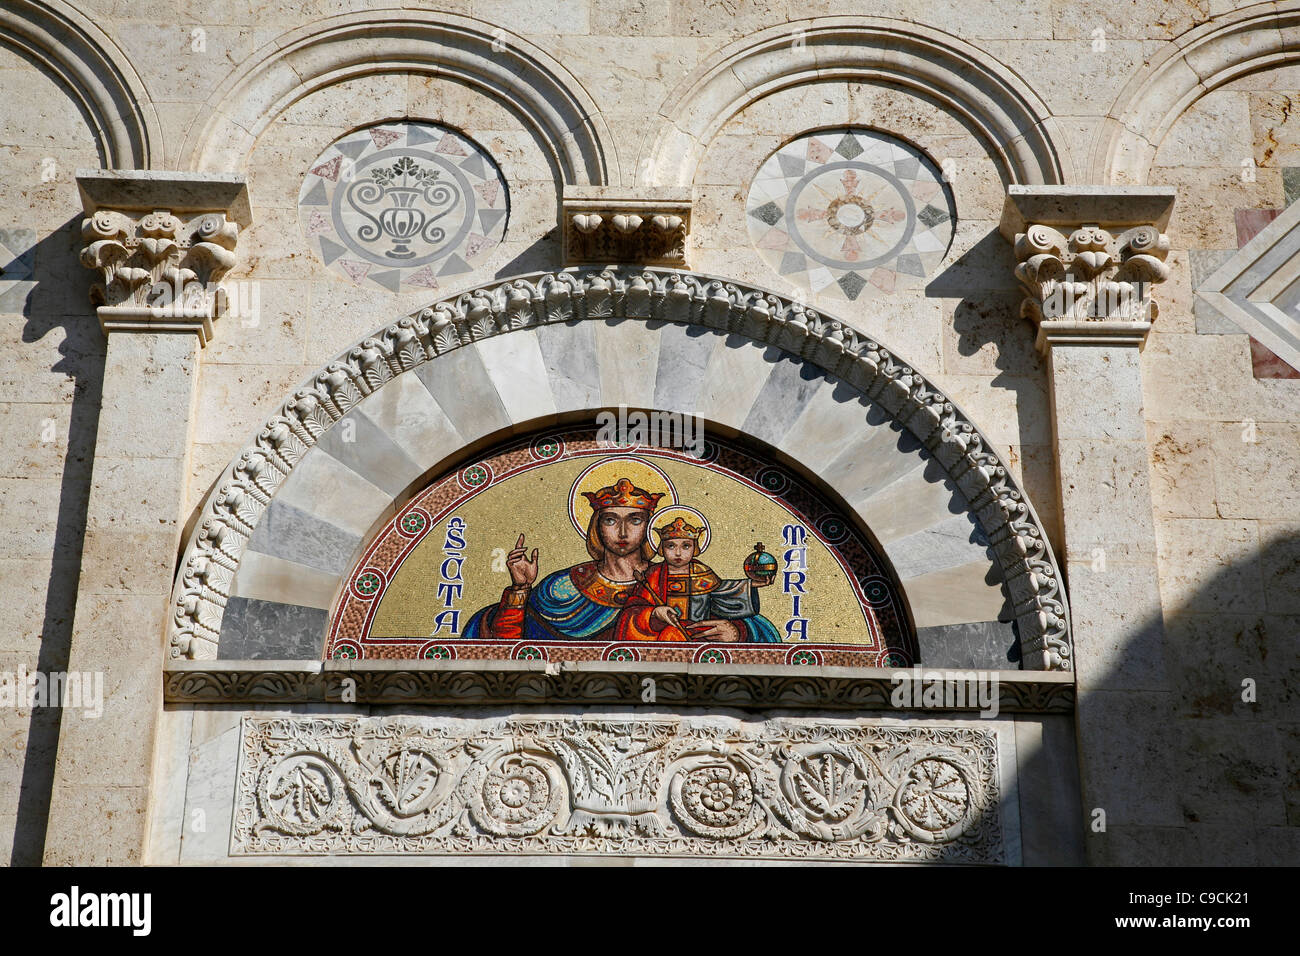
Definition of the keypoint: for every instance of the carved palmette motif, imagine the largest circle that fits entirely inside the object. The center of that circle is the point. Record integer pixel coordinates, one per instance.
(784, 789)
(1014, 532)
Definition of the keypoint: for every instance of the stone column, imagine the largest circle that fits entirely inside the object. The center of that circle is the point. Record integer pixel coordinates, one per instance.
(159, 244)
(1088, 258)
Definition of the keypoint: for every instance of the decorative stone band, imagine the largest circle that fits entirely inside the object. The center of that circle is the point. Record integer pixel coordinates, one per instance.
(604, 226)
(244, 491)
(1086, 266)
(485, 683)
(714, 787)
(159, 268)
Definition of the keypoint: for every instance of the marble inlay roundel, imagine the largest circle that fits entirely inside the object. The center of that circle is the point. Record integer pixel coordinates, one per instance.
(403, 206)
(842, 212)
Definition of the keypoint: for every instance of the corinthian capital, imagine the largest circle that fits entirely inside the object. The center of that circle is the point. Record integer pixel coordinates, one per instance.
(1088, 259)
(160, 243)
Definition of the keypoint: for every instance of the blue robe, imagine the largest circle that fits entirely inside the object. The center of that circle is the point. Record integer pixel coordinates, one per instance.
(559, 610)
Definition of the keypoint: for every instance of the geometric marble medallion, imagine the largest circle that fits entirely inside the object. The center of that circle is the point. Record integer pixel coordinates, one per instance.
(403, 206)
(850, 211)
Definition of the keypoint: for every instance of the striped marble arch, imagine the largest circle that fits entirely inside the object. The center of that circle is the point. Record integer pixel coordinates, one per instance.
(293, 512)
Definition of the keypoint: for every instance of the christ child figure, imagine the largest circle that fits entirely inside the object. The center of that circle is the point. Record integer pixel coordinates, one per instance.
(682, 599)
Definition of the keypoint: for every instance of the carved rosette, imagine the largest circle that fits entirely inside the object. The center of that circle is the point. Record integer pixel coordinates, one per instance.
(1090, 284)
(157, 270)
(232, 510)
(782, 789)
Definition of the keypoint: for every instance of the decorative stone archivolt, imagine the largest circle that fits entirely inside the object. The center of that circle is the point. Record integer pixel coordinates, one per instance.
(89, 64)
(334, 50)
(717, 787)
(1014, 124)
(1257, 37)
(1007, 520)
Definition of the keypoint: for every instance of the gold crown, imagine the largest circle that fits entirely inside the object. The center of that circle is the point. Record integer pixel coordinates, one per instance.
(678, 528)
(622, 494)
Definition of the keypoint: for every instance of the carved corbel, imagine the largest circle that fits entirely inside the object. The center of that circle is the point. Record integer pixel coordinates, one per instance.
(161, 244)
(601, 226)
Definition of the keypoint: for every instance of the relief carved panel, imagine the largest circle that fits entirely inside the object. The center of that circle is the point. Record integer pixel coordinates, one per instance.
(662, 786)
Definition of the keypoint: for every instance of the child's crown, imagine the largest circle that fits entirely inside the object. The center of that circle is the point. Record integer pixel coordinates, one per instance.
(678, 528)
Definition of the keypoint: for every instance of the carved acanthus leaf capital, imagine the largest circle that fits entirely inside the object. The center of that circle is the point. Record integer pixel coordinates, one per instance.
(160, 244)
(1088, 259)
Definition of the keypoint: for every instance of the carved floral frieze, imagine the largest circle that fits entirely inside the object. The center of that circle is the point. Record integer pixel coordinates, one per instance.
(697, 787)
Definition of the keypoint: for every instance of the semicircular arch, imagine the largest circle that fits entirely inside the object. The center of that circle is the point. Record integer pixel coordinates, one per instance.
(498, 63)
(1011, 120)
(90, 66)
(301, 499)
(1236, 44)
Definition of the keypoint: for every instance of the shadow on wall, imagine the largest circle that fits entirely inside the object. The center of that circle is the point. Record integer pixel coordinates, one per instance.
(1197, 741)
(58, 304)
(993, 339)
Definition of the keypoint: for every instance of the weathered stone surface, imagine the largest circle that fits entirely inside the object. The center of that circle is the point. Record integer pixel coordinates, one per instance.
(99, 481)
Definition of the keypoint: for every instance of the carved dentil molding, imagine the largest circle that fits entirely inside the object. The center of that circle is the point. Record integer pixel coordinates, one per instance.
(705, 787)
(486, 683)
(245, 489)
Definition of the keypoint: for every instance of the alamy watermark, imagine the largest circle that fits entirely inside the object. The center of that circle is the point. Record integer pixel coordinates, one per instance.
(917, 688)
(71, 690)
(626, 429)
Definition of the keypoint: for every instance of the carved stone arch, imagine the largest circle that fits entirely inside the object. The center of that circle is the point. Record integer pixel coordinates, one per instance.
(1226, 48)
(97, 74)
(417, 381)
(1013, 122)
(490, 59)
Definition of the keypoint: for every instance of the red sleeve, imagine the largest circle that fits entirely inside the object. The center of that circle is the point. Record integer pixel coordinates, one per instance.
(507, 624)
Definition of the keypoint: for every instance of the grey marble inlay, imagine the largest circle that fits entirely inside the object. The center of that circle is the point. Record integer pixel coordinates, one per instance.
(364, 447)
(267, 630)
(293, 534)
(783, 396)
(460, 384)
(949, 543)
(986, 645)
(873, 460)
(683, 356)
(569, 352)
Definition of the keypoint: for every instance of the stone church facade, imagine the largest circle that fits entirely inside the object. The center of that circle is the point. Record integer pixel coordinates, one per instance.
(982, 316)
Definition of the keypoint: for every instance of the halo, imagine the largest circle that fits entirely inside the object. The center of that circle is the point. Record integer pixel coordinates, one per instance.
(666, 515)
(605, 473)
